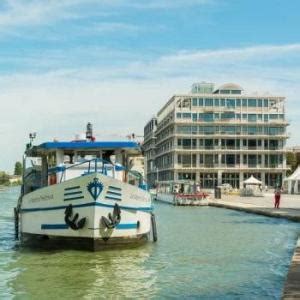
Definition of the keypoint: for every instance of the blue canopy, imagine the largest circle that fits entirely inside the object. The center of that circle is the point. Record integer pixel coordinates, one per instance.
(90, 145)
(129, 146)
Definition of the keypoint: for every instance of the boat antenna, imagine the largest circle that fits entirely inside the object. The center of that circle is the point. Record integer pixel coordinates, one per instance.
(89, 132)
(32, 136)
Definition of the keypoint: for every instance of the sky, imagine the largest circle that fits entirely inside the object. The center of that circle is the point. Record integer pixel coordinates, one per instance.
(114, 63)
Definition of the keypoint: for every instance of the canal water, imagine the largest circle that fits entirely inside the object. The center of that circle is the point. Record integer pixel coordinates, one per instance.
(202, 252)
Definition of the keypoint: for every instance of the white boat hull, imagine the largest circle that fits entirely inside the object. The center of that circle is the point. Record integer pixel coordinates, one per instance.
(42, 212)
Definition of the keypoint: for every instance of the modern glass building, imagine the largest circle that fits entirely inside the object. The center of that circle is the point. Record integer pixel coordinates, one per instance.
(215, 136)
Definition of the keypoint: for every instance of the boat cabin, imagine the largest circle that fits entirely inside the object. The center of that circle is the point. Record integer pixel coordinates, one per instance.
(54, 162)
(178, 187)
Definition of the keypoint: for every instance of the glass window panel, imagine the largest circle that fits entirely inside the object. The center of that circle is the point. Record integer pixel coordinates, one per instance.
(208, 117)
(195, 101)
(273, 116)
(186, 115)
(259, 102)
(230, 103)
(209, 102)
(252, 117)
(252, 102)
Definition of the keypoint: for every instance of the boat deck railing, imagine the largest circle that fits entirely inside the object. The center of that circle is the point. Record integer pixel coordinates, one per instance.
(104, 167)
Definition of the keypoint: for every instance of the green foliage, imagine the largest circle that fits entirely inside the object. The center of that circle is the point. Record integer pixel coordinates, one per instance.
(291, 160)
(18, 168)
(4, 178)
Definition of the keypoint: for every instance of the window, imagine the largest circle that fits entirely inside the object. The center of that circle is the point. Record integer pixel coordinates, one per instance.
(208, 129)
(252, 102)
(230, 103)
(224, 91)
(217, 102)
(209, 102)
(201, 161)
(194, 117)
(178, 115)
(217, 116)
(252, 130)
(238, 102)
(195, 101)
(273, 116)
(222, 102)
(252, 117)
(186, 115)
(238, 116)
(208, 117)
(244, 102)
(259, 117)
(184, 129)
(194, 130)
(200, 101)
(244, 116)
(266, 103)
(266, 118)
(227, 115)
(259, 102)
(186, 103)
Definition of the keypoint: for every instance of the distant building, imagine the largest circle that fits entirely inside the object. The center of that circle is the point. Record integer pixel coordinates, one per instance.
(149, 151)
(214, 136)
(15, 179)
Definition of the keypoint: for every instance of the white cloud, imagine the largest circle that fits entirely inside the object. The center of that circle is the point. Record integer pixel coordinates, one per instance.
(119, 99)
(16, 13)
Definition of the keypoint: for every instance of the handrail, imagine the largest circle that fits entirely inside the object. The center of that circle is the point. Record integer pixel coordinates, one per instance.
(96, 160)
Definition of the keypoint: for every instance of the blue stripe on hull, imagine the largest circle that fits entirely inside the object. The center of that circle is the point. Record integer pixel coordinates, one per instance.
(127, 226)
(72, 188)
(73, 198)
(54, 226)
(114, 188)
(65, 226)
(112, 198)
(72, 193)
(146, 209)
(114, 193)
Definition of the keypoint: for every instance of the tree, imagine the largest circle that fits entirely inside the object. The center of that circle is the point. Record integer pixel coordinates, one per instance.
(4, 178)
(18, 168)
(291, 161)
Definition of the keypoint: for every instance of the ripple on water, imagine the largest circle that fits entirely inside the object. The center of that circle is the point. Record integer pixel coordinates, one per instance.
(205, 253)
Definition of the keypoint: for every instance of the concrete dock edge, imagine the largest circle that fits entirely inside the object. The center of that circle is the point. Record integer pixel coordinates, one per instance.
(292, 284)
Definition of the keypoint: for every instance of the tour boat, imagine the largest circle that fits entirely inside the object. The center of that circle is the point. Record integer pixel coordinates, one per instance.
(83, 193)
(181, 193)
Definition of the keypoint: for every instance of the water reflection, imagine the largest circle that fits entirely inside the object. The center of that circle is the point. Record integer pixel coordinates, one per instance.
(206, 253)
(76, 274)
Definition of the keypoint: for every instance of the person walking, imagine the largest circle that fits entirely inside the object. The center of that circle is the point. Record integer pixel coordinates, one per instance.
(277, 197)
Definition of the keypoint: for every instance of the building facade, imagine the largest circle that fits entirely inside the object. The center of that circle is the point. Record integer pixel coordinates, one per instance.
(149, 146)
(215, 136)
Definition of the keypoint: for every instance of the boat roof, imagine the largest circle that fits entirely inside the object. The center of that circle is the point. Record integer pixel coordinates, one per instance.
(44, 148)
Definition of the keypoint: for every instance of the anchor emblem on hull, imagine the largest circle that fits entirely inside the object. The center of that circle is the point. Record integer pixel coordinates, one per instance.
(95, 188)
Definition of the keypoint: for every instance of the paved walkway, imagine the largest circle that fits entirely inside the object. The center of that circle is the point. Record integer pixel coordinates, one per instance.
(289, 206)
(289, 209)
